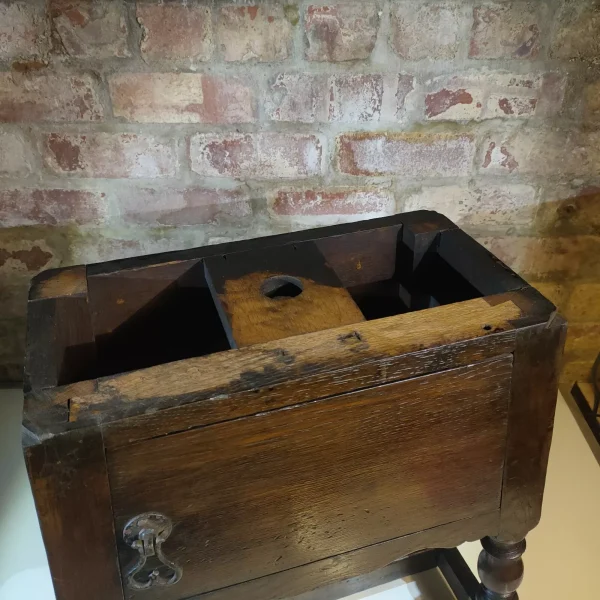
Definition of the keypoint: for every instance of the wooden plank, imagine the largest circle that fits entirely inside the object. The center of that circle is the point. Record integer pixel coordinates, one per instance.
(286, 584)
(477, 265)
(54, 283)
(295, 391)
(72, 496)
(531, 420)
(264, 365)
(264, 295)
(276, 490)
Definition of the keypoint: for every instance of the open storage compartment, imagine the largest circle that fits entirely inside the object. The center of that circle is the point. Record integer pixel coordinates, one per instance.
(138, 313)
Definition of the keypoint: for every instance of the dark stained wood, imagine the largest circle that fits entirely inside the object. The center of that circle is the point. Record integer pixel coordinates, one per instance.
(295, 391)
(530, 424)
(314, 576)
(458, 575)
(264, 295)
(500, 568)
(477, 265)
(364, 257)
(71, 491)
(54, 283)
(287, 487)
(264, 365)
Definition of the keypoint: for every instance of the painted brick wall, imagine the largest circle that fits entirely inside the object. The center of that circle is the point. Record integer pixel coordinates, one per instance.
(129, 128)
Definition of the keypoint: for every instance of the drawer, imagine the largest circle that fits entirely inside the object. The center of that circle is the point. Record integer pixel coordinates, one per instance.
(257, 495)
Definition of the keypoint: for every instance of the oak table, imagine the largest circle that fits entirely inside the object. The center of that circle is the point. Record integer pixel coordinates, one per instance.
(268, 418)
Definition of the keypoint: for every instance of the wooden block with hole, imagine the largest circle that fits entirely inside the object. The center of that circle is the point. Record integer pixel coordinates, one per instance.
(268, 418)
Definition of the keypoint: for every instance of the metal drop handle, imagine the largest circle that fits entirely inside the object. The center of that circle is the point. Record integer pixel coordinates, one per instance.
(146, 533)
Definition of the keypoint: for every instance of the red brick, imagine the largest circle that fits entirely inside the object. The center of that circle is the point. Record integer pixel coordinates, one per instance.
(341, 32)
(427, 31)
(547, 258)
(24, 30)
(343, 201)
(50, 207)
(110, 155)
(181, 98)
(506, 30)
(177, 31)
(305, 98)
(479, 206)
(406, 154)
(298, 97)
(15, 155)
(256, 155)
(91, 28)
(261, 33)
(576, 34)
(192, 206)
(542, 152)
(493, 94)
(49, 97)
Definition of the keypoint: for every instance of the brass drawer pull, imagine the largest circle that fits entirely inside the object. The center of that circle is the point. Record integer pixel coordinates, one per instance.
(146, 533)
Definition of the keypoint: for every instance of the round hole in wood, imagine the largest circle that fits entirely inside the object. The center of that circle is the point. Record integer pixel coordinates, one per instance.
(282, 286)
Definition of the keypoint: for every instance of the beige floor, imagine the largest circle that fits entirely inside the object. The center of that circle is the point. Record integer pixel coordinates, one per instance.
(562, 560)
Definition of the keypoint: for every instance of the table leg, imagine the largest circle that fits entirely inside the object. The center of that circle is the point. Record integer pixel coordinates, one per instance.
(500, 569)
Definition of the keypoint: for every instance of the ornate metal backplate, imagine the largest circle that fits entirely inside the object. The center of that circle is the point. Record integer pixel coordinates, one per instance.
(146, 533)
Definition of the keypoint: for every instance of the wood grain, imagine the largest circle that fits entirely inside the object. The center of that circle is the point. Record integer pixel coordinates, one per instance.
(71, 491)
(530, 425)
(313, 576)
(294, 358)
(54, 283)
(277, 490)
(313, 387)
(252, 315)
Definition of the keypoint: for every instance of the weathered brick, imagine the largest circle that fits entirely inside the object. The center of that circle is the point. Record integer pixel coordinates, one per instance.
(426, 31)
(181, 98)
(592, 102)
(24, 30)
(547, 258)
(582, 341)
(576, 34)
(91, 28)
(257, 155)
(584, 303)
(366, 202)
(557, 293)
(48, 97)
(262, 33)
(176, 31)
(12, 340)
(50, 207)
(406, 154)
(13, 298)
(15, 155)
(110, 155)
(477, 95)
(481, 207)
(182, 207)
(570, 209)
(506, 30)
(543, 152)
(25, 251)
(298, 97)
(578, 370)
(338, 98)
(340, 32)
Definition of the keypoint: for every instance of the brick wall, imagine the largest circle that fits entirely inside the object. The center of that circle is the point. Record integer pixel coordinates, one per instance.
(129, 128)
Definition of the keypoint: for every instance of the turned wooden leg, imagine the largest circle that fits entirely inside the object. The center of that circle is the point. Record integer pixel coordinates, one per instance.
(500, 569)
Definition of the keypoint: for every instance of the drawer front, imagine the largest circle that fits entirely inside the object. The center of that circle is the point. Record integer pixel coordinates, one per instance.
(257, 495)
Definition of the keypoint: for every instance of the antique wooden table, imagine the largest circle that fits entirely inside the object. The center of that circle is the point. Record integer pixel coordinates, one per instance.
(260, 419)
